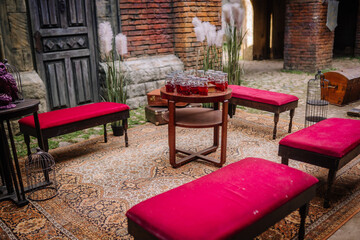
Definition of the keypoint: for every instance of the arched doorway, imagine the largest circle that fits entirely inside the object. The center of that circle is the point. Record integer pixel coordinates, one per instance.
(269, 27)
(345, 32)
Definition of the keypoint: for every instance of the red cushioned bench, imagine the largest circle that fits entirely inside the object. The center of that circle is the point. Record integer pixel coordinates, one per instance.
(63, 121)
(239, 201)
(263, 100)
(331, 143)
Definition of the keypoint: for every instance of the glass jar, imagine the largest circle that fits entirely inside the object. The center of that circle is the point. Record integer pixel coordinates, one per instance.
(203, 87)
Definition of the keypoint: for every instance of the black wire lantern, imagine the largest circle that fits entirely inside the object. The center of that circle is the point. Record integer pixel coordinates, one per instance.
(316, 106)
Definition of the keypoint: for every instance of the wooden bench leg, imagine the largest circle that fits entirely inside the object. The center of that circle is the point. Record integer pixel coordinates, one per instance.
(276, 120)
(330, 181)
(292, 113)
(105, 133)
(125, 126)
(232, 110)
(27, 142)
(285, 161)
(303, 213)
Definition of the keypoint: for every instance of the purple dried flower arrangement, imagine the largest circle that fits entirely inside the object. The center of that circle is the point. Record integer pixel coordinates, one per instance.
(5, 101)
(8, 88)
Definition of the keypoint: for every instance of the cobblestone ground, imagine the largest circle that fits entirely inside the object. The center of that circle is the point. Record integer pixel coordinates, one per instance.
(269, 75)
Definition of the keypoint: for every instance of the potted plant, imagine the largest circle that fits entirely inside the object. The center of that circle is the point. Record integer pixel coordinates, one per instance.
(113, 49)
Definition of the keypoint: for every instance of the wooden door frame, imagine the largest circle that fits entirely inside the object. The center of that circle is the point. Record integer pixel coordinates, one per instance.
(37, 63)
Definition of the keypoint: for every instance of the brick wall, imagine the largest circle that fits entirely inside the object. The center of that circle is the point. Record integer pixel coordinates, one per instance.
(308, 42)
(357, 41)
(156, 27)
(186, 46)
(148, 25)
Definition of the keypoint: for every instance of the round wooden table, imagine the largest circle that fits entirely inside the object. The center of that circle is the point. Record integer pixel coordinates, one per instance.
(197, 118)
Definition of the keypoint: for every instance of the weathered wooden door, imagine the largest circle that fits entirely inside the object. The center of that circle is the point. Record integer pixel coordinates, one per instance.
(63, 34)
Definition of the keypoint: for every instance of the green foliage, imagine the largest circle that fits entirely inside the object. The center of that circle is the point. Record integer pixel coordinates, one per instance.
(328, 70)
(293, 71)
(137, 117)
(234, 39)
(116, 82)
(211, 58)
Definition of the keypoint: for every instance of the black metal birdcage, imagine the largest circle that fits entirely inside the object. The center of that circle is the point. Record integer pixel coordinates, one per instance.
(316, 106)
(41, 176)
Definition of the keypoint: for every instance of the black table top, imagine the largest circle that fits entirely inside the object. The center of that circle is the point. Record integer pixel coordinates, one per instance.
(22, 108)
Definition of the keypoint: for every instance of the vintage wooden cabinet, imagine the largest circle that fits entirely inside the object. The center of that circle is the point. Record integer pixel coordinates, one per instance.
(344, 86)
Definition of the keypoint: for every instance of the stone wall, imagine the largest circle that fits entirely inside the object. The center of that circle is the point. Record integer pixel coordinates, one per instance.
(308, 42)
(146, 74)
(16, 48)
(108, 10)
(357, 42)
(15, 37)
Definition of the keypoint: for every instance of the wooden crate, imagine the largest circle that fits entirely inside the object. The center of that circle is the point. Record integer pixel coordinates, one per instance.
(156, 114)
(154, 100)
(344, 86)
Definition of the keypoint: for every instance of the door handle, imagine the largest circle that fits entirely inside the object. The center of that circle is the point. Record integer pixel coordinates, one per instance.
(38, 45)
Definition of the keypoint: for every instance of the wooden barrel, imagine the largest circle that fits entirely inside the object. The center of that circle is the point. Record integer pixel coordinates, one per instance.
(344, 86)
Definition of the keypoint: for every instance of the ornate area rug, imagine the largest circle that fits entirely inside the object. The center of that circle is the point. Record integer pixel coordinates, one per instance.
(99, 182)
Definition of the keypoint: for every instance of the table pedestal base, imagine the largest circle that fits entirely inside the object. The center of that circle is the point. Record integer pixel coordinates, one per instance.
(197, 155)
(198, 118)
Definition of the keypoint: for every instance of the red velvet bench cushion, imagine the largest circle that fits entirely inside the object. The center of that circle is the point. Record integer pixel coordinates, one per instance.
(263, 96)
(331, 144)
(263, 100)
(332, 137)
(63, 121)
(75, 114)
(222, 203)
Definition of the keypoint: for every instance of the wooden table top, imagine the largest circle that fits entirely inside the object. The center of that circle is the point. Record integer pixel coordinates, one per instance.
(22, 108)
(196, 98)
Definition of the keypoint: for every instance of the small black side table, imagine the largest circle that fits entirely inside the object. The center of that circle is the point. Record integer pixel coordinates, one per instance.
(13, 188)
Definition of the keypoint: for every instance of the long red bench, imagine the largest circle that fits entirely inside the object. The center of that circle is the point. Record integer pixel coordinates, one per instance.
(63, 121)
(331, 144)
(263, 100)
(239, 201)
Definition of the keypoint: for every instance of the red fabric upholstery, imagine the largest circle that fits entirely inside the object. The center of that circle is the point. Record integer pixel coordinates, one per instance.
(219, 204)
(75, 114)
(263, 96)
(332, 137)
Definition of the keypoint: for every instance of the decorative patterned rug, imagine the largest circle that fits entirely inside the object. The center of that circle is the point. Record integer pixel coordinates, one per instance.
(99, 182)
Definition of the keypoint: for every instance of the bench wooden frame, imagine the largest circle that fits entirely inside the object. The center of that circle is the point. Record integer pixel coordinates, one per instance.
(76, 126)
(265, 107)
(300, 202)
(321, 160)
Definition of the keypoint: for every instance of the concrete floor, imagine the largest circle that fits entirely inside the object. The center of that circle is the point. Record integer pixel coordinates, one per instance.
(350, 230)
